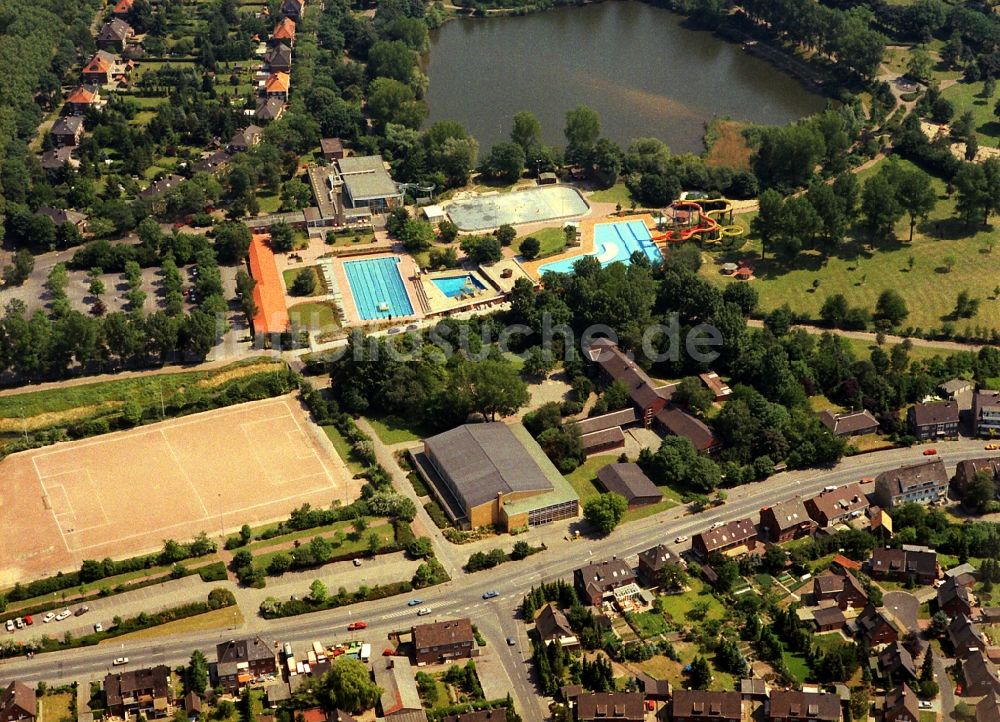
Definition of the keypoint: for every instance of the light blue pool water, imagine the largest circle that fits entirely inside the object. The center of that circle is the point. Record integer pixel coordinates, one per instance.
(377, 288)
(625, 236)
(453, 286)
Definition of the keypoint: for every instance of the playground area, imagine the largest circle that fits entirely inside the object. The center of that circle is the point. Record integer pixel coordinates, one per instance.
(483, 212)
(245, 464)
(706, 220)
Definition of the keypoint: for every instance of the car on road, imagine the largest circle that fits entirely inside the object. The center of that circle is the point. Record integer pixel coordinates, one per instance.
(119, 661)
(681, 539)
(414, 602)
(62, 615)
(716, 525)
(492, 594)
(354, 626)
(98, 627)
(10, 625)
(81, 611)
(48, 617)
(930, 452)
(511, 641)
(423, 611)
(992, 447)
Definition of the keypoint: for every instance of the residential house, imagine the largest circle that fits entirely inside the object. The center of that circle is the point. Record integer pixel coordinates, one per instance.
(100, 69)
(284, 32)
(843, 588)
(916, 564)
(877, 626)
(294, 9)
(980, 675)
(732, 538)
(60, 216)
(143, 692)
(18, 703)
(278, 58)
(246, 138)
(552, 626)
(213, 163)
(594, 581)
(933, 420)
(193, 706)
(240, 661)
(269, 109)
(851, 423)
(82, 98)
(652, 688)
(625, 706)
(331, 148)
(953, 598)
(837, 506)
(986, 413)
(967, 469)
(446, 640)
(66, 131)
(277, 86)
(794, 706)
(114, 34)
(629, 481)
(879, 523)
(59, 158)
(901, 705)
(988, 708)
(693, 705)
(719, 388)
(786, 520)
(399, 700)
(653, 560)
(156, 190)
(895, 662)
(921, 483)
(965, 637)
(829, 619)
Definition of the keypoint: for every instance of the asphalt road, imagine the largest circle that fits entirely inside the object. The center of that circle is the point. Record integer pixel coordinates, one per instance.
(462, 597)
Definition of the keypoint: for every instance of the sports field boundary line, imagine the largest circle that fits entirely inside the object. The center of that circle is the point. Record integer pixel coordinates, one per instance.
(180, 466)
(322, 462)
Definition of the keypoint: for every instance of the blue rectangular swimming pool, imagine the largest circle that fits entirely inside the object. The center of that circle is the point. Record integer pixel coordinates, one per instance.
(377, 288)
(454, 286)
(613, 243)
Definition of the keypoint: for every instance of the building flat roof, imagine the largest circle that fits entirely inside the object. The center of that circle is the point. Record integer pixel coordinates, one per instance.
(366, 178)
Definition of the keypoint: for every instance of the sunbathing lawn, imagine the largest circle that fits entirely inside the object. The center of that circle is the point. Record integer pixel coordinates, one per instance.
(318, 316)
(968, 96)
(393, 430)
(56, 707)
(677, 606)
(862, 274)
(617, 193)
(797, 667)
(290, 274)
(550, 241)
(582, 478)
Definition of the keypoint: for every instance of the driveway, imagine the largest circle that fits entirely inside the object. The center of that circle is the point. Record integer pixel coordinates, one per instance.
(905, 607)
(947, 695)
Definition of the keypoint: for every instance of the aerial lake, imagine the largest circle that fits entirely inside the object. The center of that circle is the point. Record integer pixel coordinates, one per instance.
(633, 63)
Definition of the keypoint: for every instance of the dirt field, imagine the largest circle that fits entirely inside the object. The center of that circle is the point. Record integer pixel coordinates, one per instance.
(124, 493)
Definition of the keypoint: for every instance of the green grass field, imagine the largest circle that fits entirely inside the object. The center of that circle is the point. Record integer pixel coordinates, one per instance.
(343, 449)
(550, 241)
(56, 707)
(582, 480)
(968, 96)
(392, 430)
(797, 667)
(347, 546)
(342, 526)
(617, 193)
(862, 274)
(290, 274)
(317, 316)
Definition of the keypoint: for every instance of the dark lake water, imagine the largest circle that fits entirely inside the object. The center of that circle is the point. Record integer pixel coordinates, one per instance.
(632, 63)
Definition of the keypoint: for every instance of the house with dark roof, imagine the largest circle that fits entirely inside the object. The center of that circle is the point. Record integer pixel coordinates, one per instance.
(988, 708)
(921, 483)
(967, 469)
(59, 158)
(604, 433)
(837, 506)
(732, 538)
(594, 581)
(115, 33)
(851, 423)
(246, 138)
(67, 131)
(677, 422)
(980, 674)
(916, 564)
(629, 481)
(294, 9)
(829, 619)
(594, 706)
(653, 560)
(986, 413)
(18, 703)
(162, 186)
(331, 148)
(213, 163)
(278, 58)
(786, 520)
(843, 588)
(877, 626)
(719, 388)
(965, 637)
(552, 626)
(954, 598)
(901, 705)
(790, 705)
(240, 661)
(269, 109)
(495, 474)
(933, 420)
(895, 662)
(604, 441)
(692, 705)
(143, 692)
(437, 641)
(60, 216)
(399, 699)
(652, 688)
(618, 366)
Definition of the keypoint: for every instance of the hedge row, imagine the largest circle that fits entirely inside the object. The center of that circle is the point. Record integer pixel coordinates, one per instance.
(271, 608)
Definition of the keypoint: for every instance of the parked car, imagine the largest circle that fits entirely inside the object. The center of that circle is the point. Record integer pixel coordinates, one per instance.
(492, 594)
(681, 539)
(414, 602)
(10, 625)
(119, 661)
(98, 627)
(353, 626)
(62, 615)
(48, 617)
(924, 704)
(930, 452)
(424, 611)
(19, 623)
(716, 525)
(357, 562)
(81, 611)
(28, 620)
(511, 641)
